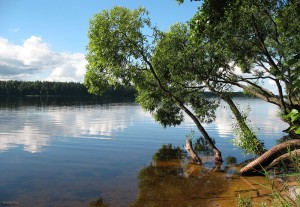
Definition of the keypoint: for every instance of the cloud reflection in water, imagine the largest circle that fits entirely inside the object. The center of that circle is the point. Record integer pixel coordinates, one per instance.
(35, 127)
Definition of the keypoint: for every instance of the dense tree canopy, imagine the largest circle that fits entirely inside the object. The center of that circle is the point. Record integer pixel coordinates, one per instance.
(262, 39)
(226, 44)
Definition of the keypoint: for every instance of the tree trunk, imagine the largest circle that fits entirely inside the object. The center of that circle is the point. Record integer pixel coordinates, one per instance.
(262, 162)
(287, 157)
(216, 151)
(218, 155)
(239, 118)
(189, 148)
(243, 125)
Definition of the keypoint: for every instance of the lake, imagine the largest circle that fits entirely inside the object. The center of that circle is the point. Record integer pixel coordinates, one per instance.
(56, 152)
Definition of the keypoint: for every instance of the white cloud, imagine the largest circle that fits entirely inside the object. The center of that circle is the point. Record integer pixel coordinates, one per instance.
(34, 60)
(71, 70)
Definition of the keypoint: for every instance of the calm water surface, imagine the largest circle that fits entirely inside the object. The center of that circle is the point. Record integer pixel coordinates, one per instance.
(71, 153)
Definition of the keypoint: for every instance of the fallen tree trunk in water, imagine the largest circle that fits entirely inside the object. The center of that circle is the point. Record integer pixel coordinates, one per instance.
(288, 157)
(266, 159)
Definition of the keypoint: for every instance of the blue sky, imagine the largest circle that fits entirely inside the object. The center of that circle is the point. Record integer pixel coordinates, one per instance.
(47, 39)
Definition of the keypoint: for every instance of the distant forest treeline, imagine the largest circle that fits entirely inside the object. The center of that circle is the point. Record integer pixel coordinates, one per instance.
(47, 88)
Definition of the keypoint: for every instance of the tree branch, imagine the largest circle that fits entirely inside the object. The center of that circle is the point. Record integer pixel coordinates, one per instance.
(216, 151)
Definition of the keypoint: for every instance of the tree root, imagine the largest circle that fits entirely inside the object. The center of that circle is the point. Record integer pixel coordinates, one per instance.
(273, 156)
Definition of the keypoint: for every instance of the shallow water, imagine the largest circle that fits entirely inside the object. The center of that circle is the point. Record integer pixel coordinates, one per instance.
(69, 153)
(177, 184)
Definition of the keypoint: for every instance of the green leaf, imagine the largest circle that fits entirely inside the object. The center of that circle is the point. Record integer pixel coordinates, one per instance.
(295, 117)
(298, 131)
(293, 127)
(293, 112)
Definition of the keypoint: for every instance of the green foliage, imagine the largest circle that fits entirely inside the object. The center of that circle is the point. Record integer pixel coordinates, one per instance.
(163, 108)
(201, 146)
(168, 152)
(259, 37)
(117, 48)
(246, 141)
(168, 114)
(176, 60)
(245, 138)
(170, 70)
(204, 108)
(294, 117)
(162, 66)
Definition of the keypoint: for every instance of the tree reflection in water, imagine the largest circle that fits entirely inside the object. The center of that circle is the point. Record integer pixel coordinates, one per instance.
(98, 203)
(178, 183)
(175, 182)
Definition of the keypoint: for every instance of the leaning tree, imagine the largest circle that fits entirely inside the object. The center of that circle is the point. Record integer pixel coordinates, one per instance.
(122, 53)
(171, 69)
(261, 39)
